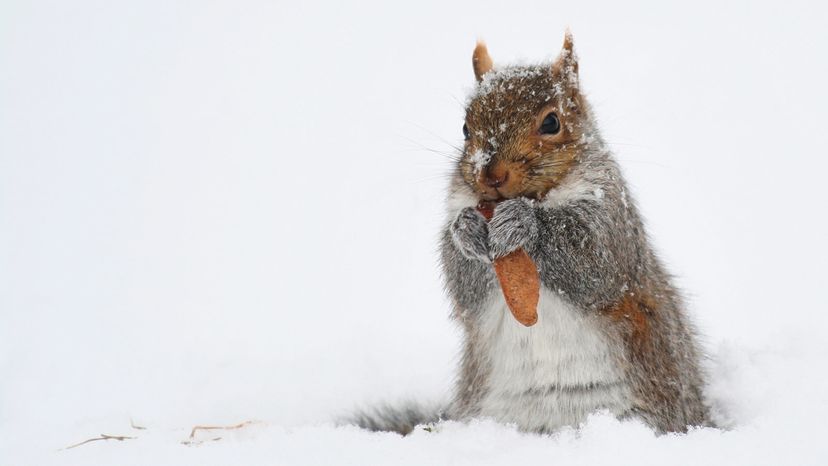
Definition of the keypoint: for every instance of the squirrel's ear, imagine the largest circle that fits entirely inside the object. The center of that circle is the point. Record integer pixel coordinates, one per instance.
(566, 64)
(481, 61)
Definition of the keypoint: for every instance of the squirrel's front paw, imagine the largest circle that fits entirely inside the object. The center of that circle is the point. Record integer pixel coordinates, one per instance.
(470, 234)
(513, 225)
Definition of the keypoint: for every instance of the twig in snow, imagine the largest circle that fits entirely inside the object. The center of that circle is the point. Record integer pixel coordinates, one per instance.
(237, 426)
(119, 438)
(136, 426)
(194, 431)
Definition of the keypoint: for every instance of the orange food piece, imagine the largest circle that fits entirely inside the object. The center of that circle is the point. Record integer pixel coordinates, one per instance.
(518, 278)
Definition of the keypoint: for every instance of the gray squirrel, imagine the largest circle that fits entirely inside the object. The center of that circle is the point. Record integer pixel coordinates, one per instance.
(612, 332)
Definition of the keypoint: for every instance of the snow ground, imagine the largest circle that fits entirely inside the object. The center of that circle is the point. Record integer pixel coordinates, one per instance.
(219, 211)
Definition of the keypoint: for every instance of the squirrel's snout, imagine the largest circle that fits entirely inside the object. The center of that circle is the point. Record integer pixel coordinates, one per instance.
(500, 179)
(495, 179)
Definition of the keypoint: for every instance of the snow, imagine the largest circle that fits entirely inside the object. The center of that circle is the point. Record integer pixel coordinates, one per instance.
(214, 212)
(480, 158)
(499, 76)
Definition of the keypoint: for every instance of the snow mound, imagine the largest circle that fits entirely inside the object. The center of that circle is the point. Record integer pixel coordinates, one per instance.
(762, 396)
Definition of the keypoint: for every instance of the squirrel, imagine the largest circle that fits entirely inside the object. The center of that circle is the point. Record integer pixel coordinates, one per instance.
(612, 331)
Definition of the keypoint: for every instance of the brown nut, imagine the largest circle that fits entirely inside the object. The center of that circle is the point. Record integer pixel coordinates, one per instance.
(518, 277)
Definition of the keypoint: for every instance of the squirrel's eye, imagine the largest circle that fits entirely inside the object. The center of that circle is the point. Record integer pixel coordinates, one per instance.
(550, 124)
(466, 132)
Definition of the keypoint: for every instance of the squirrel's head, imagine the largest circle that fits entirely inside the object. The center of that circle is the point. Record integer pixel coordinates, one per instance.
(525, 127)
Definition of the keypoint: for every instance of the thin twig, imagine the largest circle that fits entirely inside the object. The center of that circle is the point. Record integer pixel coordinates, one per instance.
(119, 438)
(135, 426)
(237, 426)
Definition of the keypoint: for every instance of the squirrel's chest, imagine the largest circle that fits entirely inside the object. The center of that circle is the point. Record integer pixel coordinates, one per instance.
(551, 374)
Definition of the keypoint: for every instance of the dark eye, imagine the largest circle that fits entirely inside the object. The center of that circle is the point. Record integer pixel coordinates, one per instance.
(466, 132)
(550, 124)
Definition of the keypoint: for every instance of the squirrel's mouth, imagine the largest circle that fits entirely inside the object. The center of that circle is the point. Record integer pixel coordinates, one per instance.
(496, 193)
(496, 197)
(492, 197)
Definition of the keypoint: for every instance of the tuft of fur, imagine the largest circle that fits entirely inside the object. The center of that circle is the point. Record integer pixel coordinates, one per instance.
(401, 419)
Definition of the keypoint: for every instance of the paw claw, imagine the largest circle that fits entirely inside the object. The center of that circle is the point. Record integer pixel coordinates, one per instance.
(513, 225)
(470, 234)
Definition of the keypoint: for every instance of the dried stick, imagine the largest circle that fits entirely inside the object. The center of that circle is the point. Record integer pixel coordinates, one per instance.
(119, 438)
(237, 426)
(193, 441)
(136, 426)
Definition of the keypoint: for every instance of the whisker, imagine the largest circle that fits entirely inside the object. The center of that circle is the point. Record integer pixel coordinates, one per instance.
(432, 133)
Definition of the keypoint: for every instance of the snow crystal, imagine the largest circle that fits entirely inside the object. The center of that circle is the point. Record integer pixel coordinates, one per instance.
(558, 89)
(479, 159)
(497, 78)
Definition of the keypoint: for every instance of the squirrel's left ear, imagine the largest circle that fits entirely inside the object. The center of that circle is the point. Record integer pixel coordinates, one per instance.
(481, 61)
(566, 64)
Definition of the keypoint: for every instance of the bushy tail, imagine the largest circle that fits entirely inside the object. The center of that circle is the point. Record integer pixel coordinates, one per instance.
(401, 419)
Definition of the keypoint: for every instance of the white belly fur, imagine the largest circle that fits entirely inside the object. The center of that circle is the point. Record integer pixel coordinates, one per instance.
(552, 374)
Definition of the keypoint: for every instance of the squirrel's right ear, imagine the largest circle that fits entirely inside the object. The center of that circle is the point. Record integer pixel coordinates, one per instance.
(566, 64)
(481, 61)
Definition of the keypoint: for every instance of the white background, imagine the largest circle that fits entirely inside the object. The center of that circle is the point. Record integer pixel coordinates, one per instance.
(220, 211)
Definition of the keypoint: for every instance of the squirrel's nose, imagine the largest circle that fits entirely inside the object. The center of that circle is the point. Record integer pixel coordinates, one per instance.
(496, 178)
